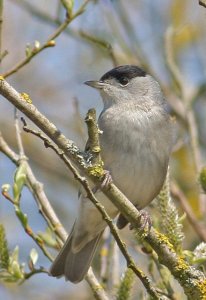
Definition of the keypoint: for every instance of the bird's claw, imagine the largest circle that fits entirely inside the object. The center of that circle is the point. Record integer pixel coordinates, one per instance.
(107, 180)
(105, 183)
(145, 220)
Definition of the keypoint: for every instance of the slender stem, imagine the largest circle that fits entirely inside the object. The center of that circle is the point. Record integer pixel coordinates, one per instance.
(50, 215)
(173, 68)
(18, 135)
(38, 241)
(194, 139)
(37, 189)
(46, 18)
(179, 195)
(35, 271)
(49, 43)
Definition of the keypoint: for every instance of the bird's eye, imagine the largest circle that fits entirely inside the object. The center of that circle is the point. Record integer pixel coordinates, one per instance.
(123, 81)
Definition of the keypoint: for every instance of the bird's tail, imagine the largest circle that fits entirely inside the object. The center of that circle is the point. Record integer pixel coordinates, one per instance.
(74, 266)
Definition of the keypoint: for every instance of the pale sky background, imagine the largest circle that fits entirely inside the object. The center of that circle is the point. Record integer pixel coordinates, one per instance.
(53, 79)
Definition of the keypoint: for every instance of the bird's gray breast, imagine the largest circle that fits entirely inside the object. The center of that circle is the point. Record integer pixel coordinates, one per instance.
(136, 146)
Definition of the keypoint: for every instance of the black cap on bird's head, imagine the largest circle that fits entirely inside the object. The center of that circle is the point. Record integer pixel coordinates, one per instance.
(126, 71)
(122, 74)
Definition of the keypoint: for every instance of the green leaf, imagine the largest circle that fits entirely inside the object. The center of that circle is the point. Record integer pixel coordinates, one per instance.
(68, 4)
(19, 180)
(22, 217)
(48, 237)
(16, 271)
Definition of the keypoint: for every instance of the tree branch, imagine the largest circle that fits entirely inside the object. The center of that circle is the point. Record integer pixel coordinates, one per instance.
(36, 188)
(82, 180)
(49, 214)
(202, 3)
(49, 43)
(193, 281)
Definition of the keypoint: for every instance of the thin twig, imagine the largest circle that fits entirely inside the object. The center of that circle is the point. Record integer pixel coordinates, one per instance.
(38, 241)
(24, 222)
(49, 214)
(35, 271)
(100, 43)
(4, 148)
(46, 18)
(18, 135)
(174, 70)
(37, 189)
(23, 160)
(194, 139)
(180, 196)
(49, 43)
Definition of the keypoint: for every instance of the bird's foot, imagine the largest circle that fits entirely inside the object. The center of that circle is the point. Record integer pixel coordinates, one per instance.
(145, 221)
(105, 183)
(107, 180)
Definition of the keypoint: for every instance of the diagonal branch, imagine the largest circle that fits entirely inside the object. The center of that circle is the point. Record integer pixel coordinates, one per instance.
(82, 180)
(36, 188)
(50, 42)
(202, 3)
(179, 195)
(49, 214)
(192, 280)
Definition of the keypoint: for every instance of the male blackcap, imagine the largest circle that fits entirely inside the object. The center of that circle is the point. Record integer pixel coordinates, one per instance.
(136, 142)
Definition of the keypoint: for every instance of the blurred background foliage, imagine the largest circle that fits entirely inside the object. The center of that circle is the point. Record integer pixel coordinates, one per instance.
(107, 33)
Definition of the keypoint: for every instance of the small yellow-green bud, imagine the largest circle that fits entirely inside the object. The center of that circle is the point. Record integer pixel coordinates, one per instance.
(68, 4)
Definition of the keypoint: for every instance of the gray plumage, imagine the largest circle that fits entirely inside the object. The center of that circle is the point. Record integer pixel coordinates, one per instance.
(136, 144)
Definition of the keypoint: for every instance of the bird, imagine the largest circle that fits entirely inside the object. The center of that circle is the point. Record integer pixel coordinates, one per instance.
(136, 141)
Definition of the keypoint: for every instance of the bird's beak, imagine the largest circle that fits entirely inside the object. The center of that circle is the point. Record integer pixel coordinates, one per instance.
(95, 84)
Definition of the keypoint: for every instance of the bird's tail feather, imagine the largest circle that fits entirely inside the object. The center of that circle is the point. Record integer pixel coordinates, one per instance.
(74, 266)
